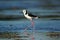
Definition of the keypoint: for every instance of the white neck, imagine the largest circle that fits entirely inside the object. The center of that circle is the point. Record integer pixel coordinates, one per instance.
(24, 13)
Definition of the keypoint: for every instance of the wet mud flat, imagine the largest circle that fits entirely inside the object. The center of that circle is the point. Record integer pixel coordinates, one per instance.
(23, 36)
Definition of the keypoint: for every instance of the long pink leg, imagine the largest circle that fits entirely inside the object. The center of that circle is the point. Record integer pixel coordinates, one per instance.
(32, 22)
(26, 29)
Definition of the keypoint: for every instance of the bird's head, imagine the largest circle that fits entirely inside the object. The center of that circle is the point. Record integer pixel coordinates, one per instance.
(24, 11)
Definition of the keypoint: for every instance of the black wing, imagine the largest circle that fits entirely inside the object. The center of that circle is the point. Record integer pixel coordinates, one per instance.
(31, 15)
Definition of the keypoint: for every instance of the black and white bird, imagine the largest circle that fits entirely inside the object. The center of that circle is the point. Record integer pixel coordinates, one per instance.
(29, 16)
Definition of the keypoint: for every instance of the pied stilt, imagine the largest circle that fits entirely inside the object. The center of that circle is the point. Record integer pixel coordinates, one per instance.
(30, 17)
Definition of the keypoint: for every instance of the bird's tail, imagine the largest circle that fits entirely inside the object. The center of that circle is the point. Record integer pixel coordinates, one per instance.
(38, 17)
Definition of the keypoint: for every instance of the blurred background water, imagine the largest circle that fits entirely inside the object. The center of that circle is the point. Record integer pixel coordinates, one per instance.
(12, 19)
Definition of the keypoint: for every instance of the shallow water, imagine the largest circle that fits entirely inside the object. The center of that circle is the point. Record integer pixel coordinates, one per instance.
(46, 25)
(49, 11)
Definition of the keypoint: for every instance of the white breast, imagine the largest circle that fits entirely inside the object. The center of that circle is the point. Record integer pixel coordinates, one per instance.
(28, 17)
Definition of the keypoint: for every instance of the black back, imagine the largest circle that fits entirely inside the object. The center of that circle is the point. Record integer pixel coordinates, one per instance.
(31, 15)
